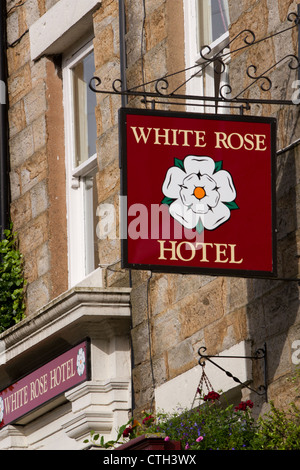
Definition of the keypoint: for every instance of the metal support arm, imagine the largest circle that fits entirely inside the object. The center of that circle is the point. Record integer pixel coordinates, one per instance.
(259, 354)
(225, 96)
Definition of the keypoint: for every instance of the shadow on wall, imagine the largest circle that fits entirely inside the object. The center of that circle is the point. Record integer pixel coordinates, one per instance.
(274, 304)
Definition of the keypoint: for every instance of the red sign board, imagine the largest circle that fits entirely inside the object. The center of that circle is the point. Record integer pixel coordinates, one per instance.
(199, 193)
(44, 384)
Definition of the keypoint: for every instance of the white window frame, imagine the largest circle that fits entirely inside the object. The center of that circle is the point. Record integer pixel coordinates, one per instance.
(79, 194)
(203, 83)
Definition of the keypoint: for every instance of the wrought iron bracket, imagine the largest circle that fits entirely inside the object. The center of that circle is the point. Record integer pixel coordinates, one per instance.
(260, 354)
(225, 98)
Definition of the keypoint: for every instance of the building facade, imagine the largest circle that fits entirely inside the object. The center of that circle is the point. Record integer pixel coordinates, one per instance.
(143, 328)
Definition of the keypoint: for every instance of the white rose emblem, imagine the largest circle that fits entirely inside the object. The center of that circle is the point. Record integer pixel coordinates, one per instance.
(200, 194)
(80, 361)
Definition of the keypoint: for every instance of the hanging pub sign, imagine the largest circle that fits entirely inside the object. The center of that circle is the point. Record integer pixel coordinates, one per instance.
(198, 193)
(44, 384)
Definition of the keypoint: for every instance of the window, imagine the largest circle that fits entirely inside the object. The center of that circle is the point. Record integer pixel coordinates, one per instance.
(84, 110)
(206, 24)
(81, 162)
(213, 20)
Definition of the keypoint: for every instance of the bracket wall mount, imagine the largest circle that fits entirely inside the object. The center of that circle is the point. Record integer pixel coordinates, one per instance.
(160, 87)
(260, 354)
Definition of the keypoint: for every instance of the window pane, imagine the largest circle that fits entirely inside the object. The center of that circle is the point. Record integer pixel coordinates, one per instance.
(91, 240)
(213, 18)
(84, 110)
(219, 18)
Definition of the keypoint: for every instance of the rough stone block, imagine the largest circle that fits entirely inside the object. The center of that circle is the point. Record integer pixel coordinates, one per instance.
(39, 198)
(39, 128)
(104, 46)
(33, 170)
(166, 330)
(181, 358)
(201, 308)
(12, 26)
(38, 294)
(32, 11)
(139, 297)
(141, 348)
(43, 260)
(18, 55)
(30, 268)
(21, 147)
(226, 331)
(107, 148)
(35, 103)
(19, 84)
(21, 211)
(34, 234)
(155, 27)
(16, 118)
(15, 185)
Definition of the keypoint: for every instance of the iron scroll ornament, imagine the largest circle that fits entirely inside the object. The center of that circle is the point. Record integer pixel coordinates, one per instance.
(266, 83)
(160, 87)
(260, 354)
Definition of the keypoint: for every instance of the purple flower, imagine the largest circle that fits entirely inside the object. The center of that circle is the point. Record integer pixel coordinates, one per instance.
(199, 439)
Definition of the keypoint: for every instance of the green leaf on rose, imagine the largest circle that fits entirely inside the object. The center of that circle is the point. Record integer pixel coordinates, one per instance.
(178, 163)
(231, 205)
(218, 166)
(167, 200)
(199, 227)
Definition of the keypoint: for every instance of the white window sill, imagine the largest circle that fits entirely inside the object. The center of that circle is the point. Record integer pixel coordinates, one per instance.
(54, 32)
(215, 47)
(86, 167)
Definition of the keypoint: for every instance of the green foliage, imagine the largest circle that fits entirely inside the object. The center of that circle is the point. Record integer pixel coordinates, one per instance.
(130, 430)
(279, 430)
(12, 284)
(213, 426)
(210, 427)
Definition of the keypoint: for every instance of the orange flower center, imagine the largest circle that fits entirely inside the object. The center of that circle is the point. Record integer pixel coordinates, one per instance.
(199, 192)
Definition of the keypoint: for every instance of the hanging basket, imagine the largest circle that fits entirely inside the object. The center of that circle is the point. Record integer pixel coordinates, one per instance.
(205, 389)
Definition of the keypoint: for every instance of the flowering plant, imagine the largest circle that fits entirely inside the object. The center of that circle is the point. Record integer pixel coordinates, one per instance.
(133, 428)
(210, 426)
(215, 426)
(243, 405)
(211, 396)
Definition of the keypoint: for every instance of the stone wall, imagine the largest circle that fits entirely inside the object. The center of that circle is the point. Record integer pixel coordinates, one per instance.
(272, 309)
(179, 313)
(172, 314)
(36, 143)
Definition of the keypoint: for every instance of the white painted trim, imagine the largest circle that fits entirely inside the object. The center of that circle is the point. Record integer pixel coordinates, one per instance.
(79, 257)
(203, 83)
(101, 404)
(86, 167)
(55, 31)
(104, 312)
